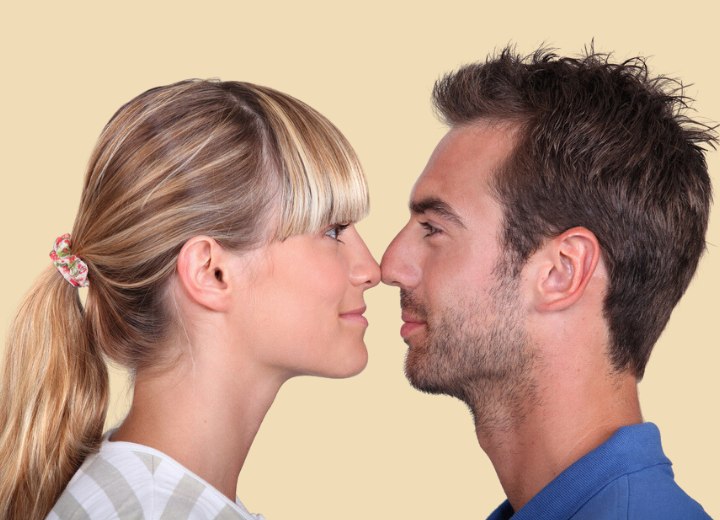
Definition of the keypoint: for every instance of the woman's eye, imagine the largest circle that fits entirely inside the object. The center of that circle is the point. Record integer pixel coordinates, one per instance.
(335, 231)
(430, 229)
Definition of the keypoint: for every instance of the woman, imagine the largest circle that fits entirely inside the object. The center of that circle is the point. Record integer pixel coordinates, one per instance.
(215, 233)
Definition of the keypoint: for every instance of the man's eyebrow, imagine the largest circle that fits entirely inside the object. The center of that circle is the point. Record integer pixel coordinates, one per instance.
(438, 206)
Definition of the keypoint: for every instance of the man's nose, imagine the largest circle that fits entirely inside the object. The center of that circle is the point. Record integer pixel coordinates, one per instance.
(400, 265)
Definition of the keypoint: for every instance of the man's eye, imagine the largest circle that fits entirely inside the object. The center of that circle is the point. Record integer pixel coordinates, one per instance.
(430, 229)
(335, 231)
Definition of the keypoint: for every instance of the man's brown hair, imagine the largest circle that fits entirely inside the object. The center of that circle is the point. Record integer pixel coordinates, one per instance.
(608, 147)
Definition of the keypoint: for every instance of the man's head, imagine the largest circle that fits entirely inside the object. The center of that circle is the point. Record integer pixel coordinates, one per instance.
(539, 146)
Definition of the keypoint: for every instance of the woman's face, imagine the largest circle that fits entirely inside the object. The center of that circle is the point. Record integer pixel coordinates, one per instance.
(304, 308)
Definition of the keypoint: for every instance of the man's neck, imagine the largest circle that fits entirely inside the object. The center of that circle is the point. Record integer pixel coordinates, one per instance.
(569, 417)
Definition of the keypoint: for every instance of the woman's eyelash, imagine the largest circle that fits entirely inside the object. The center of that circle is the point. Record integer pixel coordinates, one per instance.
(430, 229)
(335, 231)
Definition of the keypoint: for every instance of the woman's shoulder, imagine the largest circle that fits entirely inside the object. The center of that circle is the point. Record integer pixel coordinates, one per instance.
(107, 485)
(131, 481)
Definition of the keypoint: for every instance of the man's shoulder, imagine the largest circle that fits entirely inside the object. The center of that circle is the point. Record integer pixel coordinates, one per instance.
(653, 493)
(648, 493)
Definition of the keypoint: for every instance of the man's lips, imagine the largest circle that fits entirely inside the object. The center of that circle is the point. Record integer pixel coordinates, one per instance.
(355, 316)
(411, 324)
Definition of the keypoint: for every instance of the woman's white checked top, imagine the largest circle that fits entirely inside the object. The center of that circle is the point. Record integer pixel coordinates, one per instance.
(131, 481)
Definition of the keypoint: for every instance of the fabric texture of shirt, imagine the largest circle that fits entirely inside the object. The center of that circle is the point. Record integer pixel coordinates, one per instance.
(626, 477)
(127, 481)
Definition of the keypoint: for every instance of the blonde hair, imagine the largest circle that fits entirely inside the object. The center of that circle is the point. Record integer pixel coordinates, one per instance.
(240, 163)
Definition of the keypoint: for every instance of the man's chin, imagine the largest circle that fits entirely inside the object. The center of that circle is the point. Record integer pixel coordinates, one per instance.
(423, 374)
(427, 388)
(419, 378)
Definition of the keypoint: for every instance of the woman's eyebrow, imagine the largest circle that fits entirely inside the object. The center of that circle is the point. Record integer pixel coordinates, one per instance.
(438, 206)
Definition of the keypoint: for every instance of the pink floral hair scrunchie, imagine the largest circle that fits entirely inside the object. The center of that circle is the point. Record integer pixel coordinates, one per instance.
(73, 269)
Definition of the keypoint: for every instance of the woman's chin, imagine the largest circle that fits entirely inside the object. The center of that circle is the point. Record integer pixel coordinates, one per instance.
(355, 369)
(349, 365)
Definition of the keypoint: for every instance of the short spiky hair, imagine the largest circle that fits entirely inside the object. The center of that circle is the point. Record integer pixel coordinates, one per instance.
(605, 146)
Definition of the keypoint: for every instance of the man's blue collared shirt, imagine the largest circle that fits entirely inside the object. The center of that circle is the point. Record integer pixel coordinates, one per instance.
(627, 477)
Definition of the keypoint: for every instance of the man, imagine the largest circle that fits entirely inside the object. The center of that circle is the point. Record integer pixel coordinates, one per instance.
(554, 229)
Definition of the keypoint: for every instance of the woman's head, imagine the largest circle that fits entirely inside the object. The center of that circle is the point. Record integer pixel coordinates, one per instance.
(242, 164)
(244, 170)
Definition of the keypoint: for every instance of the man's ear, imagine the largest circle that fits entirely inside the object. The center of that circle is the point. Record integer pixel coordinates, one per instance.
(202, 267)
(564, 267)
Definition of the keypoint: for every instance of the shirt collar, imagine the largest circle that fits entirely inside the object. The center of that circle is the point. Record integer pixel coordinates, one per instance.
(629, 449)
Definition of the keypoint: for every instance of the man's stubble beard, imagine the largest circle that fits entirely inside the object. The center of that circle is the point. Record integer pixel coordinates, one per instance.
(479, 352)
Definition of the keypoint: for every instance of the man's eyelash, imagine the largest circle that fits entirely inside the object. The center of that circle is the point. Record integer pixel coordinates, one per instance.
(430, 229)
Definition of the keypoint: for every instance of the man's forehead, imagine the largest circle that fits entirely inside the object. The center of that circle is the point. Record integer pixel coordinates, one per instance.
(464, 162)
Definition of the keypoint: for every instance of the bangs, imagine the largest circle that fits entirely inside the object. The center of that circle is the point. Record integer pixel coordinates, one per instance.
(321, 186)
(321, 179)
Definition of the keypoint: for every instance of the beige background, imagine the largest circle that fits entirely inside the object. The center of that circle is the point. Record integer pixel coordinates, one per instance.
(370, 446)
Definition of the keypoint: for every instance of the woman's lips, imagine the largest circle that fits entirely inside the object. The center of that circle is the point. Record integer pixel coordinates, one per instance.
(355, 316)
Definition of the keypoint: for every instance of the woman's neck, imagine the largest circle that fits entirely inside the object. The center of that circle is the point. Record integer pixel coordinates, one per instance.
(202, 415)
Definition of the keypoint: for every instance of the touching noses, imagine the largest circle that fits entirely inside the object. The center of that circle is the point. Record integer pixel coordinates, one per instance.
(364, 270)
(398, 264)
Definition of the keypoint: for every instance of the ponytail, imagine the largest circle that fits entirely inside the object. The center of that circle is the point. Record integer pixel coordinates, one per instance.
(53, 399)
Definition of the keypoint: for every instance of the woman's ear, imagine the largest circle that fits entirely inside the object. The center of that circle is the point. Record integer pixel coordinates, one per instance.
(202, 269)
(565, 266)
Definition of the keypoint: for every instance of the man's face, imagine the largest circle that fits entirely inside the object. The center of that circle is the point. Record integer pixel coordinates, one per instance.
(462, 314)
